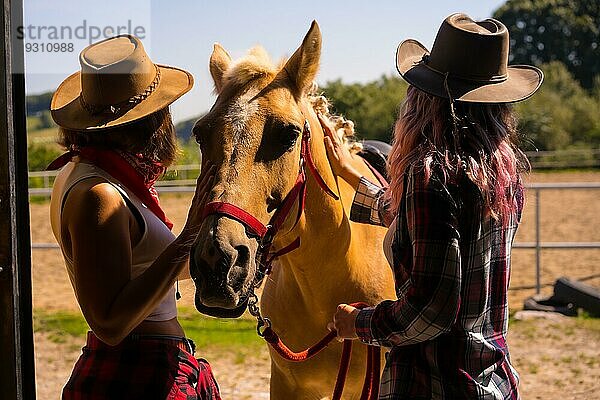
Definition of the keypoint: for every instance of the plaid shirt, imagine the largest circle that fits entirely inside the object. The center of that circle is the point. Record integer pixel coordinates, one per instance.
(447, 328)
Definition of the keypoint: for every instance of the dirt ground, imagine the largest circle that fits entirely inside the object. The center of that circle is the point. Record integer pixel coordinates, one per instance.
(556, 359)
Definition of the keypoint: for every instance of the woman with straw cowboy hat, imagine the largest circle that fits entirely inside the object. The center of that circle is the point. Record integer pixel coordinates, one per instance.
(121, 256)
(452, 207)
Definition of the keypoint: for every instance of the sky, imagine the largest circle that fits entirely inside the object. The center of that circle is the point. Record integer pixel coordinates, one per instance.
(359, 37)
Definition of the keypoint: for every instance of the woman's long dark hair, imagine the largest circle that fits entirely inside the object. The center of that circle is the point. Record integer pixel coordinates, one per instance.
(483, 145)
(152, 136)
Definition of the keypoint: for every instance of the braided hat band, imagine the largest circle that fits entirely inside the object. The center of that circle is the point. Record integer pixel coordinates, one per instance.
(123, 105)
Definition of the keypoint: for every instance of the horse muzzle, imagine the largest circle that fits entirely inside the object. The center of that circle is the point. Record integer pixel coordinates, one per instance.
(222, 266)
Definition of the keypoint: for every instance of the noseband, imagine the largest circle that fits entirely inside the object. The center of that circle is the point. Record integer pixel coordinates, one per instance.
(266, 233)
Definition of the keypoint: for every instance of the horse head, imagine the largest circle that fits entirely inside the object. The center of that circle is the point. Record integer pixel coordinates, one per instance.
(253, 136)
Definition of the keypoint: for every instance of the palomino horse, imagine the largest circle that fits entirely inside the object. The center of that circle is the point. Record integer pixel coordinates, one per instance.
(253, 134)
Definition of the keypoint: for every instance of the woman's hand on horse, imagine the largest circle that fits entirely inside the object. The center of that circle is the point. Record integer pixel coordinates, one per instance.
(339, 156)
(343, 322)
(203, 186)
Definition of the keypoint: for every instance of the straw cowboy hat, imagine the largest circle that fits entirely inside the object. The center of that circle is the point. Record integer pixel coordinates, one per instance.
(117, 84)
(468, 62)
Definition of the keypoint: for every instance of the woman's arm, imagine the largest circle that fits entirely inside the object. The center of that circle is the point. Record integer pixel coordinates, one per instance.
(98, 225)
(428, 302)
(368, 206)
(185, 272)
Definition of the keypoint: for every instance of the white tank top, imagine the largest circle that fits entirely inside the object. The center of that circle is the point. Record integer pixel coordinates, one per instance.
(155, 237)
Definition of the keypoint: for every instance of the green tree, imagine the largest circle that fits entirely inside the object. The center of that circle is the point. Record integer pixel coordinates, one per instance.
(543, 31)
(372, 106)
(46, 120)
(189, 152)
(561, 114)
(40, 155)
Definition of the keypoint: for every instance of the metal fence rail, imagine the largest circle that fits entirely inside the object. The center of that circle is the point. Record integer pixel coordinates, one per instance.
(181, 175)
(537, 245)
(577, 158)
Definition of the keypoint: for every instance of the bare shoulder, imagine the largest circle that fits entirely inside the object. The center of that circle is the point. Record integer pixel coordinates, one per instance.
(94, 201)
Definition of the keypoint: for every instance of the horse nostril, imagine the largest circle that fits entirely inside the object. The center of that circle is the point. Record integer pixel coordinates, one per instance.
(243, 255)
(212, 253)
(236, 277)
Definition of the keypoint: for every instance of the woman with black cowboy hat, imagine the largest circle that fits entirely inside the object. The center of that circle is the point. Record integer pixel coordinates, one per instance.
(452, 207)
(121, 256)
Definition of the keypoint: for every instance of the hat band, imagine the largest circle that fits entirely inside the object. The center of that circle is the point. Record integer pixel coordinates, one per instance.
(125, 105)
(488, 79)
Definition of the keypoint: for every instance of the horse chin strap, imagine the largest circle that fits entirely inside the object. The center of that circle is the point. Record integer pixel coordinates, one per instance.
(266, 233)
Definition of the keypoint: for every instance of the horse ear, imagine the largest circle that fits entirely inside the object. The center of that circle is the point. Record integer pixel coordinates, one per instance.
(303, 65)
(219, 63)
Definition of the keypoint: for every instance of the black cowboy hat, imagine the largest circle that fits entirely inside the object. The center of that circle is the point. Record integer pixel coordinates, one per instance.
(468, 62)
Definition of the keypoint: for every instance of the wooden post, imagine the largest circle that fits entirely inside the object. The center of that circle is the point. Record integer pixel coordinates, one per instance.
(17, 371)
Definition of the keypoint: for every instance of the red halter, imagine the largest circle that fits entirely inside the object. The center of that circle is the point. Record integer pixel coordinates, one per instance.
(267, 233)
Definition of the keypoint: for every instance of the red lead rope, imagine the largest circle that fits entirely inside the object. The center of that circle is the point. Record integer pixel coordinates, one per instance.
(370, 390)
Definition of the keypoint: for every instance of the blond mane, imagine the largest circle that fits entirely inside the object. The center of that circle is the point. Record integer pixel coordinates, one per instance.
(343, 127)
(257, 64)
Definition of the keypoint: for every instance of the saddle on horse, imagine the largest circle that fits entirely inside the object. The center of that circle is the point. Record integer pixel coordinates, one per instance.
(376, 152)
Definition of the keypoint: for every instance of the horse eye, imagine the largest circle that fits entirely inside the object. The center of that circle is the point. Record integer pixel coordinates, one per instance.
(288, 135)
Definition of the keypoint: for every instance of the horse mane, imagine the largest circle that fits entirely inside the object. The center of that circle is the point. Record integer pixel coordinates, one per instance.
(343, 127)
(257, 64)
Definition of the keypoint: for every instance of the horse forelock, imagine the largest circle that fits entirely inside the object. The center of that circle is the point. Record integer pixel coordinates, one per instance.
(238, 113)
(238, 84)
(256, 64)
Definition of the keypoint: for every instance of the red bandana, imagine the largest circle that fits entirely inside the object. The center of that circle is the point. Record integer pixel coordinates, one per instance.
(133, 171)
